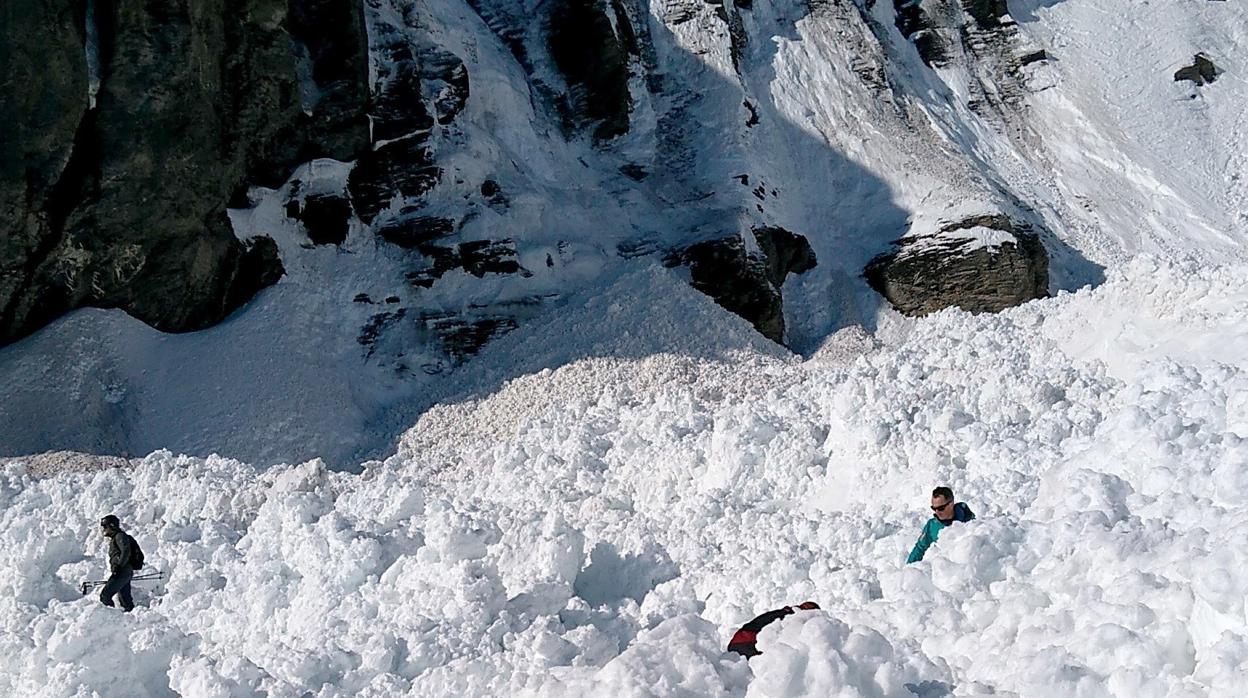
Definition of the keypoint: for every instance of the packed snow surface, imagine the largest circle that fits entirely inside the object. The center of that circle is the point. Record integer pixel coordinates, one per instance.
(603, 528)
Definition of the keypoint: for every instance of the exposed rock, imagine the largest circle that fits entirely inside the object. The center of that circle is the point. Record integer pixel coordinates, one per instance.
(325, 217)
(397, 105)
(753, 119)
(415, 231)
(441, 260)
(785, 252)
(980, 264)
(195, 100)
(914, 24)
(1033, 57)
(745, 283)
(481, 257)
(417, 84)
(738, 38)
(447, 76)
(331, 36)
(1202, 71)
(493, 194)
(477, 257)
(507, 22)
(376, 326)
(987, 13)
(637, 247)
(462, 336)
(634, 171)
(258, 266)
(593, 60)
(40, 45)
(399, 168)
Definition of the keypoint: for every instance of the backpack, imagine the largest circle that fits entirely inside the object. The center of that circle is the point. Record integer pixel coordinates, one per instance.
(136, 555)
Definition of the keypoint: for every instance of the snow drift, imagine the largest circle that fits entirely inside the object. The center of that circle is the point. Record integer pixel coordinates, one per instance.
(608, 538)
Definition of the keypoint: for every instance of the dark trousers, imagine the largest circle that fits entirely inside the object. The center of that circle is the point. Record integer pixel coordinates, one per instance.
(118, 583)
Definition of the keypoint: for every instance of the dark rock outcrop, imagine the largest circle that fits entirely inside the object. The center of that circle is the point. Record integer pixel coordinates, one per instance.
(954, 267)
(397, 107)
(124, 204)
(40, 45)
(923, 30)
(1033, 56)
(785, 253)
(986, 13)
(418, 84)
(331, 50)
(462, 336)
(325, 217)
(748, 283)
(481, 257)
(477, 257)
(1201, 72)
(915, 25)
(594, 62)
(412, 231)
(399, 168)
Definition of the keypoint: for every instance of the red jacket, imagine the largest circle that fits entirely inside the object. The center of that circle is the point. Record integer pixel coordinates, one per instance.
(743, 641)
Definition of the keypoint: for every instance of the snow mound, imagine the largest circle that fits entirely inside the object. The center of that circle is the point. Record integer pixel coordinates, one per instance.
(625, 515)
(813, 654)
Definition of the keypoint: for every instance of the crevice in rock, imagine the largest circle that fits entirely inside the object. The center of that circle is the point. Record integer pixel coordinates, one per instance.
(594, 63)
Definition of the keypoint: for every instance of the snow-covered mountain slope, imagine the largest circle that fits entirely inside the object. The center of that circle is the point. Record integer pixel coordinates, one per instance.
(820, 118)
(602, 528)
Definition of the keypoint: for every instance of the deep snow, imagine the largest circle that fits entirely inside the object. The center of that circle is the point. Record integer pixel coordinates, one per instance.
(592, 505)
(601, 529)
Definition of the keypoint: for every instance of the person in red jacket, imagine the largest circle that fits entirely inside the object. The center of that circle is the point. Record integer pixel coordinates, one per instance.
(743, 641)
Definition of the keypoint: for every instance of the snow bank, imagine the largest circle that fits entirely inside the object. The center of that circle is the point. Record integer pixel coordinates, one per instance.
(612, 541)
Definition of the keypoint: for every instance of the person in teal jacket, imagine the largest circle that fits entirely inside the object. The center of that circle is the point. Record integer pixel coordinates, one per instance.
(945, 512)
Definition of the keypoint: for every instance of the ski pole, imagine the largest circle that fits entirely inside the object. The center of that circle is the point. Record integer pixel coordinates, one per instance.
(148, 576)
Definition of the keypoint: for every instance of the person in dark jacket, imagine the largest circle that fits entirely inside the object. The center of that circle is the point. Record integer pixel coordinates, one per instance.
(944, 513)
(120, 551)
(744, 641)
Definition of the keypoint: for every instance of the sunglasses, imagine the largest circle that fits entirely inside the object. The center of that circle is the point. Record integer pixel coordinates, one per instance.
(942, 507)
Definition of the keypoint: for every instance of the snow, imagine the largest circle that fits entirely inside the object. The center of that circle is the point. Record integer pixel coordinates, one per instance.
(604, 528)
(966, 240)
(857, 144)
(597, 501)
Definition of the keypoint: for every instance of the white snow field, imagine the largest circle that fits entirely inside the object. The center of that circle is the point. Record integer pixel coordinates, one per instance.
(603, 528)
(593, 504)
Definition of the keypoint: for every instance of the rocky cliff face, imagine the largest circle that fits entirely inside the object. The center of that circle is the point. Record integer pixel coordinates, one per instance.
(115, 188)
(496, 156)
(981, 264)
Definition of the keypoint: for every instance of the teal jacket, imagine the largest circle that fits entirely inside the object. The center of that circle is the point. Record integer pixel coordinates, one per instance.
(932, 529)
